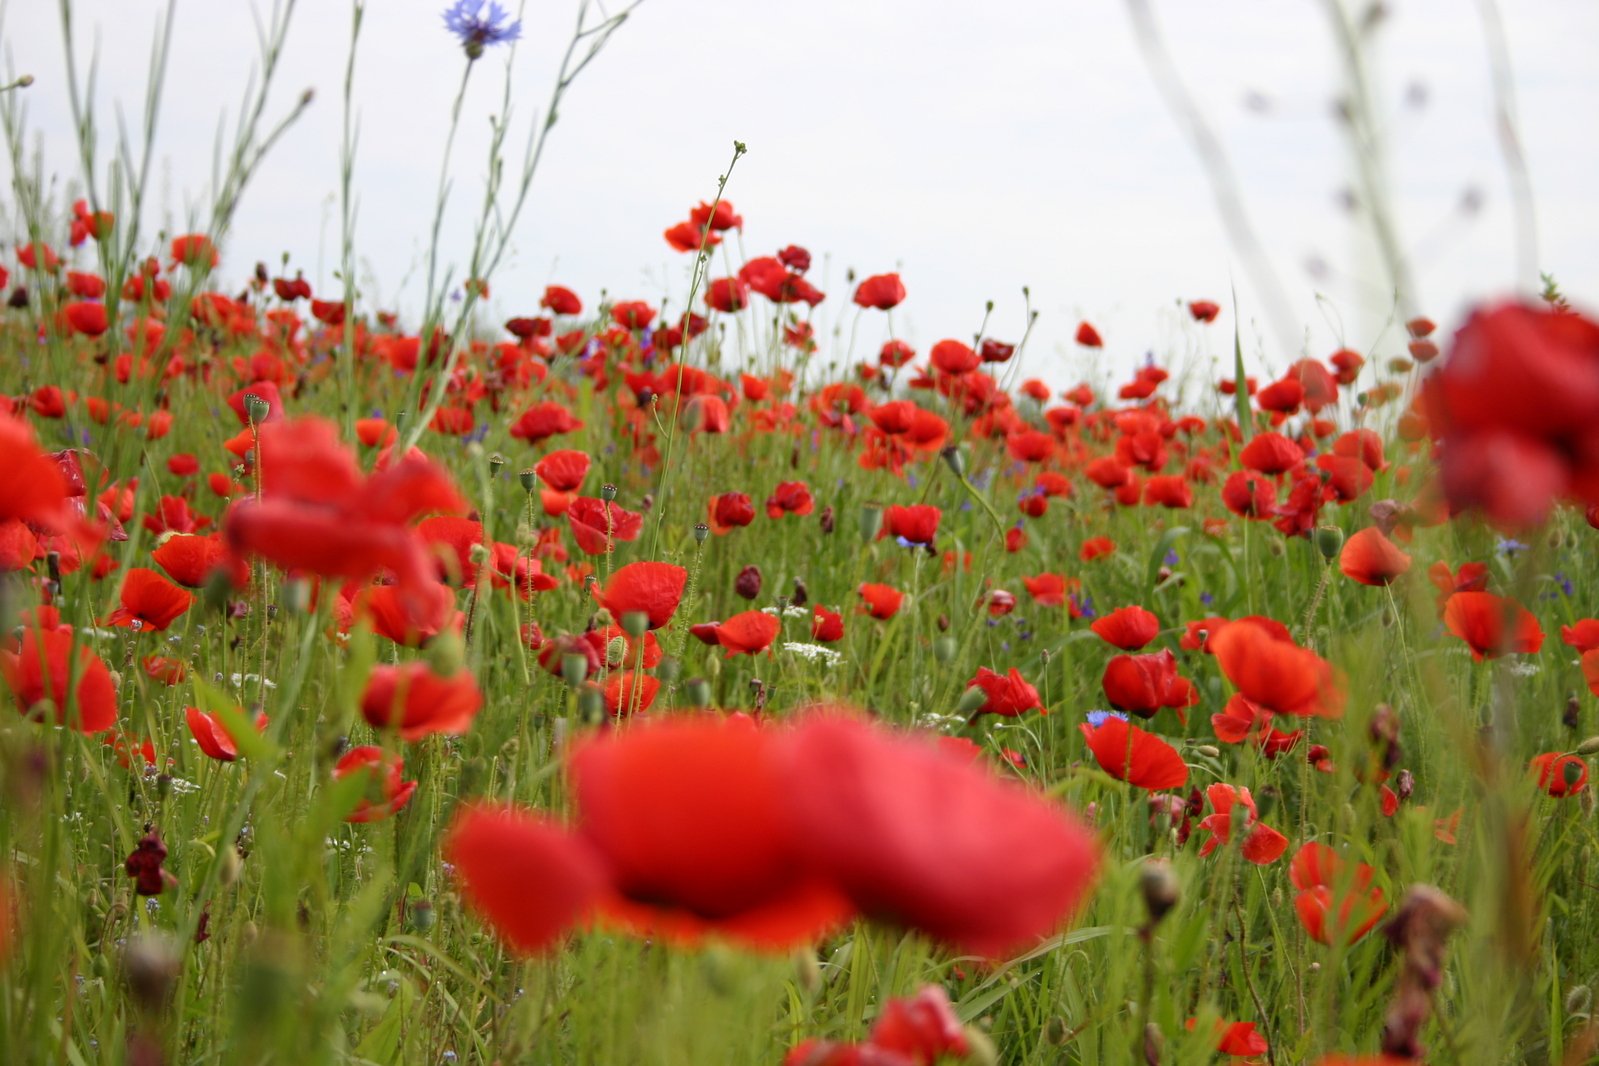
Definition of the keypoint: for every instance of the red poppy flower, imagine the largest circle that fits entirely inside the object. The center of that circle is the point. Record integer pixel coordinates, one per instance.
(38, 673)
(651, 588)
(1143, 684)
(527, 877)
(418, 702)
(1095, 547)
(1371, 558)
(748, 633)
(633, 314)
(1492, 625)
(1268, 668)
(1204, 310)
(628, 692)
(190, 559)
(1129, 754)
(719, 216)
(149, 601)
(882, 291)
(790, 497)
(1008, 695)
(318, 514)
(880, 601)
(826, 626)
(1271, 453)
(690, 817)
(597, 524)
(87, 318)
(1584, 636)
(1317, 871)
(1560, 774)
(1127, 628)
(194, 251)
(1047, 590)
(953, 357)
(687, 237)
(563, 471)
(1088, 336)
(917, 523)
(542, 421)
(386, 791)
(1514, 408)
(729, 511)
(1263, 845)
(933, 841)
(32, 487)
(213, 737)
(561, 300)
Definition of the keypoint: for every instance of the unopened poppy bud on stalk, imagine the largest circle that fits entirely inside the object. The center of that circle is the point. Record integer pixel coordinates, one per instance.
(635, 623)
(871, 521)
(954, 460)
(574, 668)
(971, 700)
(1589, 747)
(1329, 541)
(945, 648)
(591, 704)
(697, 691)
(1160, 887)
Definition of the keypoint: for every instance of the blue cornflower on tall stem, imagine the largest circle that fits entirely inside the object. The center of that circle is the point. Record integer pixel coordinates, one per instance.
(477, 31)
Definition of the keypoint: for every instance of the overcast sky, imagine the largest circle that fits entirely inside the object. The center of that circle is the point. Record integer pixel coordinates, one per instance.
(974, 147)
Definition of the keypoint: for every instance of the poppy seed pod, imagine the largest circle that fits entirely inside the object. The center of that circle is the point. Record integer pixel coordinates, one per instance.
(945, 648)
(608, 492)
(257, 408)
(635, 623)
(528, 480)
(701, 531)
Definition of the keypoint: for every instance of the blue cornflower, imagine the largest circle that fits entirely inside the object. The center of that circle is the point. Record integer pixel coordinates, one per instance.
(1172, 557)
(1206, 598)
(1511, 547)
(1098, 718)
(476, 31)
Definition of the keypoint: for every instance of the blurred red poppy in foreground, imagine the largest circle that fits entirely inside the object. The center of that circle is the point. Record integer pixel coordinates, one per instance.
(502, 854)
(1516, 411)
(918, 1030)
(39, 672)
(690, 818)
(935, 842)
(413, 699)
(1492, 625)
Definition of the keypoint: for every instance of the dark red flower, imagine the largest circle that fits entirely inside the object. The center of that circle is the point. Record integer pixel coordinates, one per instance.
(790, 497)
(144, 866)
(542, 421)
(1143, 684)
(1204, 310)
(1088, 336)
(729, 511)
(562, 301)
(1560, 774)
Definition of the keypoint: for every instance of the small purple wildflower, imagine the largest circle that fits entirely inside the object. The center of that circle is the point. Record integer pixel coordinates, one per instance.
(476, 31)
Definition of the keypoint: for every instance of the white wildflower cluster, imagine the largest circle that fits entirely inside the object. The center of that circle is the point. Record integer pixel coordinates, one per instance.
(814, 652)
(787, 612)
(240, 679)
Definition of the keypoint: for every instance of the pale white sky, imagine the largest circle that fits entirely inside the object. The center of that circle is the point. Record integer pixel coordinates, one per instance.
(975, 147)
